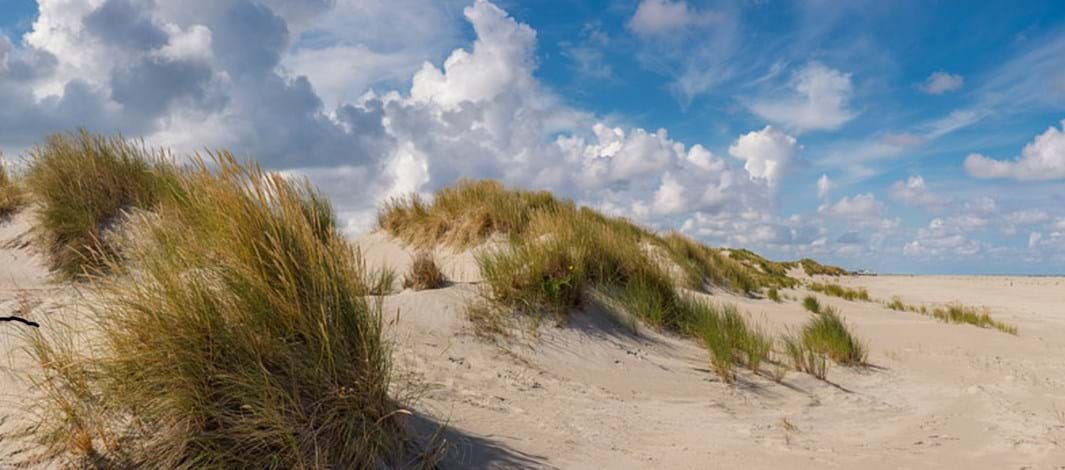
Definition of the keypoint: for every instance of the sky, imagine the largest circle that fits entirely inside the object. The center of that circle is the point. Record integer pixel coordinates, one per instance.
(909, 136)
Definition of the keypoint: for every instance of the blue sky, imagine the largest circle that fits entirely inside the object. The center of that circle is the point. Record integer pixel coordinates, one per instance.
(921, 137)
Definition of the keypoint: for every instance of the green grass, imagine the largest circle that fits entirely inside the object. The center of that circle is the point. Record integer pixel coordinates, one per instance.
(82, 184)
(774, 295)
(827, 334)
(240, 335)
(897, 304)
(424, 273)
(729, 338)
(821, 338)
(11, 195)
(810, 303)
(813, 268)
(957, 313)
(836, 290)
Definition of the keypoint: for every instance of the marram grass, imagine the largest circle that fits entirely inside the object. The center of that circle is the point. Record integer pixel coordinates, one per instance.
(237, 333)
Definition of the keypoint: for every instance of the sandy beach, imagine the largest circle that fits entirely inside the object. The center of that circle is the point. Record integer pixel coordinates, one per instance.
(600, 394)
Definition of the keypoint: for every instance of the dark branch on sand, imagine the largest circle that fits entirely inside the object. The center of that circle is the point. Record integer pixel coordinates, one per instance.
(21, 320)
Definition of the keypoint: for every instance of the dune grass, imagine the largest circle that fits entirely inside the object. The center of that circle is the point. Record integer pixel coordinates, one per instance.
(957, 313)
(728, 337)
(240, 336)
(82, 183)
(823, 337)
(836, 290)
(813, 268)
(774, 295)
(812, 304)
(11, 195)
(424, 273)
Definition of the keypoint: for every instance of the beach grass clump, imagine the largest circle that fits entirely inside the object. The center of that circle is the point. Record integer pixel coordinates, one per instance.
(836, 290)
(728, 337)
(239, 335)
(774, 295)
(82, 184)
(12, 197)
(828, 334)
(812, 304)
(957, 313)
(813, 268)
(897, 304)
(803, 358)
(424, 273)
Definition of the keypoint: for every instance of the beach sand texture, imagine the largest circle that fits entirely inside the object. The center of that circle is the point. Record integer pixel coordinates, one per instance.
(598, 394)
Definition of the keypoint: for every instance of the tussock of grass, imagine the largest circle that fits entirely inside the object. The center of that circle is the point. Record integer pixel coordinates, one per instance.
(774, 295)
(11, 197)
(774, 272)
(810, 303)
(957, 313)
(836, 290)
(828, 335)
(240, 336)
(729, 338)
(381, 281)
(82, 183)
(424, 273)
(897, 304)
(813, 268)
(803, 358)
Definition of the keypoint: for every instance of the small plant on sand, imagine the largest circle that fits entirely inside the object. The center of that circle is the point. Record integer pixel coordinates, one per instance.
(381, 281)
(241, 335)
(424, 273)
(83, 183)
(11, 196)
(774, 295)
(836, 290)
(729, 338)
(957, 313)
(896, 304)
(803, 358)
(810, 303)
(828, 335)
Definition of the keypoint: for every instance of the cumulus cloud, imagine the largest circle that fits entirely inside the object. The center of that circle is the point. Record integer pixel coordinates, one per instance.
(915, 192)
(824, 185)
(767, 153)
(1041, 159)
(656, 17)
(818, 99)
(861, 206)
(942, 238)
(942, 82)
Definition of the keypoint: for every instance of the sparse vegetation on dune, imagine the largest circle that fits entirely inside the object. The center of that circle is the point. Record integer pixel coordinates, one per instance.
(82, 184)
(11, 195)
(957, 313)
(811, 303)
(239, 335)
(821, 338)
(774, 295)
(836, 290)
(424, 273)
(728, 337)
(813, 268)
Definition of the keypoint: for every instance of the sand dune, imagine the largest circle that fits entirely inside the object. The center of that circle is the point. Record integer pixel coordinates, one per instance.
(600, 394)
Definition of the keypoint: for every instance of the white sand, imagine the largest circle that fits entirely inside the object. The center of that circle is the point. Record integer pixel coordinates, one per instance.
(596, 395)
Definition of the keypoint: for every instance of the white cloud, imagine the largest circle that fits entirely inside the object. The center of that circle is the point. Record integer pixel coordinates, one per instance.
(915, 192)
(942, 82)
(824, 185)
(861, 206)
(943, 238)
(819, 99)
(1041, 159)
(767, 153)
(655, 17)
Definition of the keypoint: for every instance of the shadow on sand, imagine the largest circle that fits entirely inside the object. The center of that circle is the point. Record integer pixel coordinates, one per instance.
(463, 450)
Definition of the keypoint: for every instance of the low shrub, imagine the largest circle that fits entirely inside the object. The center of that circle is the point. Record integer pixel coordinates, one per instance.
(424, 273)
